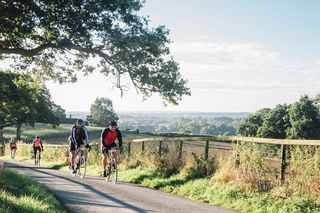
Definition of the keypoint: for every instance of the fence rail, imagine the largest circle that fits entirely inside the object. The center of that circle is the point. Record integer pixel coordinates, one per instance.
(233, 139)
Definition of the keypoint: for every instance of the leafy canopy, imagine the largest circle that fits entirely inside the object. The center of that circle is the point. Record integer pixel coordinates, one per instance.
(56, 39)
(24, 100)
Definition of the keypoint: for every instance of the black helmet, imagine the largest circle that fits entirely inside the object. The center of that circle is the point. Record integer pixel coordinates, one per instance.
(79, 122)
(113, 123)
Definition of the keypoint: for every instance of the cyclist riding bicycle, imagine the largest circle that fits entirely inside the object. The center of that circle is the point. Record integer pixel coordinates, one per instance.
(78, 134)
(37, 147)
(13, 148)
(108, 138)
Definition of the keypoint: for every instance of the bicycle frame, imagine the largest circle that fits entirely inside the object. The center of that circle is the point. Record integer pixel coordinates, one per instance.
(80, 161)
(113, 170)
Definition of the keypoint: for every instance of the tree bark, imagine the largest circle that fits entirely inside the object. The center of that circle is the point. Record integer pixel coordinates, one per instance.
(19, 125)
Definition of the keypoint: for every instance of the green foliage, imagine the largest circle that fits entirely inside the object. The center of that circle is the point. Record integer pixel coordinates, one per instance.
(250, 125)
(275, 123)
(23, 100)
(304, 119)
(18, 193)
(200, 167)
(299, 120)
(58, 111)
(46, 39)
(101, 112)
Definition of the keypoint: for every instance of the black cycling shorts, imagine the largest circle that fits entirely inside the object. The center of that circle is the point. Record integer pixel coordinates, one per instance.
(72, 147)
(35, 149)
(105, 148)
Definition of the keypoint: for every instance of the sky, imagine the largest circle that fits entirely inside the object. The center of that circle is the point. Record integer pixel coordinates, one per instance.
(237, 55)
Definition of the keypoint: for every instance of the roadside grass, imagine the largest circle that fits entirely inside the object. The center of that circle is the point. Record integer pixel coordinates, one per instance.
(18, 193)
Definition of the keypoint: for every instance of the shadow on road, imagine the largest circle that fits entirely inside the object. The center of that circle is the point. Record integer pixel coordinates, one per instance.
(80, 196)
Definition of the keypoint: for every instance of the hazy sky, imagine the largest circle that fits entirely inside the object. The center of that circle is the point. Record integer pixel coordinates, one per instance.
(238, 55)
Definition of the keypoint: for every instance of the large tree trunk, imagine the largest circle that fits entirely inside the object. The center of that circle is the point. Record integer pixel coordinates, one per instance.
(19, 125)
(1, 133)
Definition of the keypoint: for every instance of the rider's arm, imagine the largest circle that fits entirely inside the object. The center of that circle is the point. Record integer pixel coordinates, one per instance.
(41, 144)
(73, 136)
(119, 136)
(103, 136)
(87, 136)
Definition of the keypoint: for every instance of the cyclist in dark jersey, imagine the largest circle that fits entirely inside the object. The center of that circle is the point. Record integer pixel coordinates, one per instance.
(108, 138)
(78, 134)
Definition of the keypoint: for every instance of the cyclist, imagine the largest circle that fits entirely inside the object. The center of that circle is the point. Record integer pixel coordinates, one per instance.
(78, 134)
(108, 138)
(37, 147)
(13, 148)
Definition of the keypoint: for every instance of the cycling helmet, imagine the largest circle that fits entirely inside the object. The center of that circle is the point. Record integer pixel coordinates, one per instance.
(113, 123)
(80, 122)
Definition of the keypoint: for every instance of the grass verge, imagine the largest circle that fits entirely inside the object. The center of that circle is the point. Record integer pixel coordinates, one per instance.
(19, 193)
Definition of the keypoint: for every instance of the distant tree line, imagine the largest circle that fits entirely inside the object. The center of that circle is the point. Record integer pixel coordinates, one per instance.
(299, 120)
(191, 125)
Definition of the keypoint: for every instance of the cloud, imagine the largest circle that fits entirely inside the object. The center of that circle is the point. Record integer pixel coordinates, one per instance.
(244, 66)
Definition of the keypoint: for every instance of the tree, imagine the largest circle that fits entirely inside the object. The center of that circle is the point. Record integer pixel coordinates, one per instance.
(58, 111)
(23, 101)
(250, 125)
(275, 123)
(304, 119)
(56, 39)
(101, 112)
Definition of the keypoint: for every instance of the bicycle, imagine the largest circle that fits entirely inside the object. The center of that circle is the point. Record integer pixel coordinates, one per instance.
(37, 161)
(80, 161)
(112, 169)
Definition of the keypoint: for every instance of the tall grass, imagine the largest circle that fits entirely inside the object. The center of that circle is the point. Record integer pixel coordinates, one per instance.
(18, 193)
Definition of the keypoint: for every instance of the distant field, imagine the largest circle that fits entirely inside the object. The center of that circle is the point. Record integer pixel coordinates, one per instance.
(49, 134)
(58, 135)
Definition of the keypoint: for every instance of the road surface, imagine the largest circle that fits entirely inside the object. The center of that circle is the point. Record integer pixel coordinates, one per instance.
(94, 194)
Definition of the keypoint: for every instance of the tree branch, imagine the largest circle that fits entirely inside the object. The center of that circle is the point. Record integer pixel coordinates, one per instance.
(27, 52)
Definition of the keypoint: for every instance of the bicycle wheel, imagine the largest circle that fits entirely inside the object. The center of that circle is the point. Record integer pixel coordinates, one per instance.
(114, 171)
(38, 159)
(82, 166)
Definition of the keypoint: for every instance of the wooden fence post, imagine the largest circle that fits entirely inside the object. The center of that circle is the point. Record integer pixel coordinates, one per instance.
(206, 151)
(180, 150)
(160, 148)
(129, 149)
(237, 155)
(283, 164)
(142, 146)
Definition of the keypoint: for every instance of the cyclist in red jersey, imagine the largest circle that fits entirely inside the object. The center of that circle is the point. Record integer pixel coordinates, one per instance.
(108, 138)
(37, 147)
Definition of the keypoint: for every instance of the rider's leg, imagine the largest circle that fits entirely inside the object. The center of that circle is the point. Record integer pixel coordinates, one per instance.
(35, 155)
(104, 164)
(73, 156)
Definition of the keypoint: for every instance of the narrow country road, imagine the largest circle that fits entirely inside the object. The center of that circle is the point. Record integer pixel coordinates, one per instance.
(94, 194)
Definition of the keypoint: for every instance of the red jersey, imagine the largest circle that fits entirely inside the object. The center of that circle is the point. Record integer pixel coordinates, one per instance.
(110, 137)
